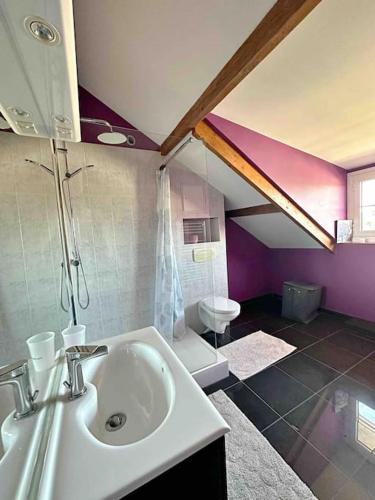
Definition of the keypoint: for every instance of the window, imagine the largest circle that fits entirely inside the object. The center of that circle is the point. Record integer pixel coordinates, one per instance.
(361, 204)
(365, 426)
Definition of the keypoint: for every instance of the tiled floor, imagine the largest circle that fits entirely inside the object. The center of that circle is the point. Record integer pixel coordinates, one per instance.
(317, 406)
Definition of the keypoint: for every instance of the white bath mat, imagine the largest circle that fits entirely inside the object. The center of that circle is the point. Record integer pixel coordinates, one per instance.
(255, 471)
(253, 353)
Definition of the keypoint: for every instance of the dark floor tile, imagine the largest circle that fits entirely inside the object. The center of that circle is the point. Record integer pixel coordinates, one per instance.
(269, 324)
(345, 392)
(238, 331)
(295, 338)
(222, 384)
(332, 355)
(318, 473)
(347, 340)
(364, 372)
(322, 326)
(352, 490)
(254, 408)
(272, 305)
(217, 339)
(332, 432)
(362, 328)
(248, 315)
(278, 390)
(365, 476)
(309, 372)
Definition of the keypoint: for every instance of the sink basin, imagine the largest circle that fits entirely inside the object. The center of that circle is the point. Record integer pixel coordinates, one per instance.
(142, 414)
(7, 431)
(135, 392)
(21, 440)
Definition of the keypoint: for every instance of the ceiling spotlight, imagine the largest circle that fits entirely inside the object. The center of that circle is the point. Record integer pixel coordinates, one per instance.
(42, 30)
(19, 112)
(63, 120)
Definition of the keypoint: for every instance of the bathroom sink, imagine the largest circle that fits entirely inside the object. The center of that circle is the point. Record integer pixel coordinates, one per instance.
(20, 440)
(142, 414)
(135, 392)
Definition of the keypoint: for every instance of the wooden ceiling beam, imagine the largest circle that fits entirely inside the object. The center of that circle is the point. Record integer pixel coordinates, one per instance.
(250, 173)
(281, 19)
(267, 208)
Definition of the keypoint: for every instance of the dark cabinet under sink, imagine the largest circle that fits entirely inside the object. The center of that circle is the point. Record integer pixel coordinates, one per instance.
(203, 475)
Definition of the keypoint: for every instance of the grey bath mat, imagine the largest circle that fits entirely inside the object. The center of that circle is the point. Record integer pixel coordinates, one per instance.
(255, 471)
(253, 353)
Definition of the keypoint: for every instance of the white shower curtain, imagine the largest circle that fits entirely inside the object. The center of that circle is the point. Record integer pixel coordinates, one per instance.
(169, 317)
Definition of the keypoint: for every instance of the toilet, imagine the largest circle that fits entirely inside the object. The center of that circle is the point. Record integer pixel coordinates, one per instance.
(217, 312)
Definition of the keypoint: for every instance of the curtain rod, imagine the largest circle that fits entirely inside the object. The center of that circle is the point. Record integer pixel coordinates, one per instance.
(178, 150)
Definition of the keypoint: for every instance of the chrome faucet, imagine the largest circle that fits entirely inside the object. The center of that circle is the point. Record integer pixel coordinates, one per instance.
(74, 357)
(17, 375)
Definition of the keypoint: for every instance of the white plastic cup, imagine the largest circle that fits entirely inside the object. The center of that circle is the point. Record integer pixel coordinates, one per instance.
(42, 350)
(74, 335)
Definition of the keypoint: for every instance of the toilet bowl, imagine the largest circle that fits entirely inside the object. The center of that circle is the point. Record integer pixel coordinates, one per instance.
(216, 312)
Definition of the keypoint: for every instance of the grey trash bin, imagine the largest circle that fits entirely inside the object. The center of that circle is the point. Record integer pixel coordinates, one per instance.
(301, 301)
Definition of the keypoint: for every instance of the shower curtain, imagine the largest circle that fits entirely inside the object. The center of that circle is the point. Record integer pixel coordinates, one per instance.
(169, 317)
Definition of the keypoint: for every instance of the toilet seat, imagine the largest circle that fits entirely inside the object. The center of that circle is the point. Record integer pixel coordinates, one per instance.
(217, 312)
(220, 305)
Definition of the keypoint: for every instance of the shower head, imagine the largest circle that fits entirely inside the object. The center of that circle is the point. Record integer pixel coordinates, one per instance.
(110, 137)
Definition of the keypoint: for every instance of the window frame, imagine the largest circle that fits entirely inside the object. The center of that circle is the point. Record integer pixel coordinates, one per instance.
(354, 207)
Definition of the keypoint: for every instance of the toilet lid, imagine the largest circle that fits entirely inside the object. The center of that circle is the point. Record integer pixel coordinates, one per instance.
(220, 305)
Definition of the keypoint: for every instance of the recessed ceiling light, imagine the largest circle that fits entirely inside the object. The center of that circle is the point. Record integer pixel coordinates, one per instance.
(42, 30)
(19, 112)
(64, 120)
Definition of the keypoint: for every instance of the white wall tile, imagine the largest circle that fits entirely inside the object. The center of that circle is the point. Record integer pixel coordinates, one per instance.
(116, 222)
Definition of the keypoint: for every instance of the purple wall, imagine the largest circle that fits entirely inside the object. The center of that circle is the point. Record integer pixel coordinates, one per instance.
(291, 169)
(348, 275)
(247, 264)
(319, 188)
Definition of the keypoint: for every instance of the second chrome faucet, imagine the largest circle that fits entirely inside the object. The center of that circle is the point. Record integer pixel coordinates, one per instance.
(75, 355)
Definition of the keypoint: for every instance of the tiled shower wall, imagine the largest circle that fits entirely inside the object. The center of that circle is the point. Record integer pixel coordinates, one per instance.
(115, 205)
(115, 208)
(30, 252)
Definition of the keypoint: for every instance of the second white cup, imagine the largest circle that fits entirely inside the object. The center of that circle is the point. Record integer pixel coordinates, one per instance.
(74, 335)
(42, 350)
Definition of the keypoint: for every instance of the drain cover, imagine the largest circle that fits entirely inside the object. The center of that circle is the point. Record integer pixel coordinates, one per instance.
(115, 422)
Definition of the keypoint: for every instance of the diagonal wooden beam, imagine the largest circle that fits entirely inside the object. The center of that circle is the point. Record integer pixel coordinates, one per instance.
(281, 19)
(250, 173)
(268, 208)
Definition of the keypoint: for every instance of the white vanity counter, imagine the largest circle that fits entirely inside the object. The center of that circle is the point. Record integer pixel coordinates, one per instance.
(168, 418)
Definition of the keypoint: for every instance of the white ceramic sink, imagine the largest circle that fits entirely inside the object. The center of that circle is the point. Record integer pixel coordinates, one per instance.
(20, 440)
(135, 387)
(168, 418)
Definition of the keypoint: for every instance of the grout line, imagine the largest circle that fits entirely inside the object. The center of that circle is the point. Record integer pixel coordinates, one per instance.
(318, 393)
(318, 451)
(276, 331)
(314, 393)
(295, 380)
(270, 425)
(263, 401)
(304, 385)
(230, 386)
(318, 340)
(282, 418)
